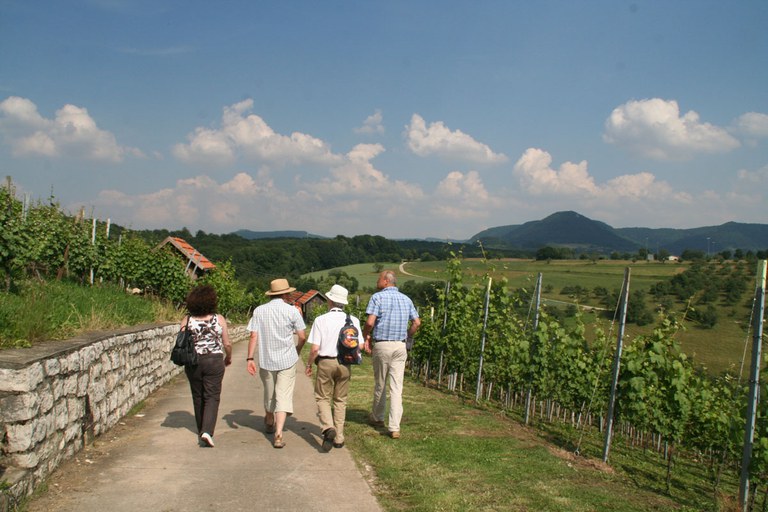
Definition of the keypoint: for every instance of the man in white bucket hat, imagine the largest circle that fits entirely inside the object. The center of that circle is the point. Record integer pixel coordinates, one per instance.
(332, 380)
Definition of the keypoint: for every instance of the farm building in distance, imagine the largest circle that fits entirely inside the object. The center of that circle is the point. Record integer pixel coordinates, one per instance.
(197, 264)
(306, 301)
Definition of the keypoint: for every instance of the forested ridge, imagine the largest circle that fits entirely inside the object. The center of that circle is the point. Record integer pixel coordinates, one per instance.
(258, 261)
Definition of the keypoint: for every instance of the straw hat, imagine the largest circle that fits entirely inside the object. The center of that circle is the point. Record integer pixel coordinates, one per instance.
(338, 294)
(279, 287)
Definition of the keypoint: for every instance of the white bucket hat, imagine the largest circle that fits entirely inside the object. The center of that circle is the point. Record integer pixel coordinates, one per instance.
(338, 294)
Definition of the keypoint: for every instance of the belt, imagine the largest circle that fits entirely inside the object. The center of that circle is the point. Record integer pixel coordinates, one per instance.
(389, 341)
(324, 357)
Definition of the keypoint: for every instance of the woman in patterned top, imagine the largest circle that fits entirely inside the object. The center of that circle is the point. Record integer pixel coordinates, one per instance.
(209, 332)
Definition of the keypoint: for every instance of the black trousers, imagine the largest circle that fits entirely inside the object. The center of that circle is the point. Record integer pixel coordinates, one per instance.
(205, 383)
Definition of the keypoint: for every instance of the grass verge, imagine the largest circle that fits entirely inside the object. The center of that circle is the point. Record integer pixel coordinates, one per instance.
(58, 309)
(457, 456)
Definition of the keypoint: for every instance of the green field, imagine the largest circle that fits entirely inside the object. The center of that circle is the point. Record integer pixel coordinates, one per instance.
(366, 274)
(717, 349)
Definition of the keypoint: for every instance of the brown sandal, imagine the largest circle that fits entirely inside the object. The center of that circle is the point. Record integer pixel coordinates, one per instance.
(278, 442)
(269, 428)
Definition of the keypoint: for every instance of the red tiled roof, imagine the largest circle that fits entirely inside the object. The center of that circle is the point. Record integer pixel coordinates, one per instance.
(302, 298)
(192, 254)
(294, 296)
(308, 296)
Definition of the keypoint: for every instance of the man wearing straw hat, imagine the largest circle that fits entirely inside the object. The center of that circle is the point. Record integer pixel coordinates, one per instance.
(272, 328)
(332, 380)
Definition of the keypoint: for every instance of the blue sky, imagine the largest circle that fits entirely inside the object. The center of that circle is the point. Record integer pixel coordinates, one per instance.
(396, 118)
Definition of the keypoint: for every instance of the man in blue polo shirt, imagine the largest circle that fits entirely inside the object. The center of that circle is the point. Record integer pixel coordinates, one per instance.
(391, 320)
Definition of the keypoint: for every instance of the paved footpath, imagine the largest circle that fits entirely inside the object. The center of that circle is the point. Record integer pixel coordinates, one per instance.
(152, 462)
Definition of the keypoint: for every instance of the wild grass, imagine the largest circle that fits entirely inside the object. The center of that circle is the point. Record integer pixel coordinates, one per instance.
(455, 456)
(54, 310)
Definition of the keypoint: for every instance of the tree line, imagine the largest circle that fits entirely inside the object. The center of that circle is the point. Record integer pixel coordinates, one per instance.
(568, 253)
(257, 262)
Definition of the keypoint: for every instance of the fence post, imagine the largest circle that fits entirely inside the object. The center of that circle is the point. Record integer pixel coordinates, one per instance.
(537, 298)
(93, 242)
(616, 366)
(482, 342)
(754, 381)
(442, 335)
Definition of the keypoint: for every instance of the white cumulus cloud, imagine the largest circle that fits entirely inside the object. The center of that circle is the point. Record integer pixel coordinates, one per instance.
(359, 176)
(534, 169)
(572, 181)
(250, 137)
(199, 200)
(654, 128)
(459, 196)
(638, 186)
(372, 124)
(751, 179)
(72, 133)
(752, 124)
(437, 139)
(243, 184)
(749, 193)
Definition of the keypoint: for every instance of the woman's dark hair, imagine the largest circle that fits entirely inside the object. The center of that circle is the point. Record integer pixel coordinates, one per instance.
(202, 300)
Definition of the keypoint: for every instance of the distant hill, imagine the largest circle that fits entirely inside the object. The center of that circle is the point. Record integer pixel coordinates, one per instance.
(563, 229)
(728, 236)
(584, 235)
(257, 235)
(571, 229)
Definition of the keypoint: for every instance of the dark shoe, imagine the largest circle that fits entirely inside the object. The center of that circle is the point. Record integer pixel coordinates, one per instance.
(338, 445)
(269, 428)
(278, 442)
(372, 421)
(328, 437)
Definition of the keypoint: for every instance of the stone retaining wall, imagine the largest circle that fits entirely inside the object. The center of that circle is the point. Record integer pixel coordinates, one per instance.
(59, 395)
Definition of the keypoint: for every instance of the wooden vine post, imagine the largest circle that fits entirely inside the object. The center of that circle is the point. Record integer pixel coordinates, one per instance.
(754, 384)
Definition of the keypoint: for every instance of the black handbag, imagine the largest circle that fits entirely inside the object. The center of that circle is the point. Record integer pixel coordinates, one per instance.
(183, 352)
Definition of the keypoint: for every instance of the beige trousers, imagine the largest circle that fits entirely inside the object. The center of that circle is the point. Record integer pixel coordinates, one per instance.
(389, 368)
(331, 389)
